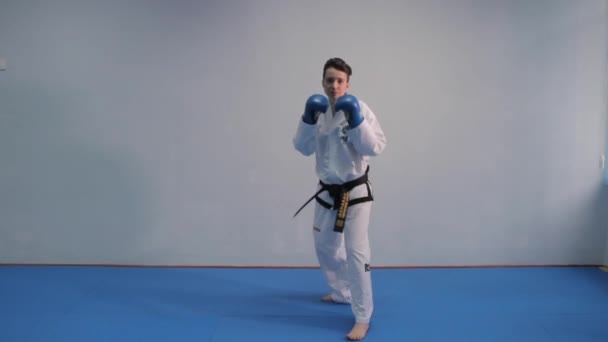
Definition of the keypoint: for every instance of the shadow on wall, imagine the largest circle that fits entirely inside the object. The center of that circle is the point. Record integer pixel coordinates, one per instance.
(605, 168)
(598, 218)
(64, 198)
(601, 210)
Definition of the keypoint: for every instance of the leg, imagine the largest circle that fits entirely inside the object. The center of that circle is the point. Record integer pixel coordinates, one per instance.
(358, 266)
(331, 254)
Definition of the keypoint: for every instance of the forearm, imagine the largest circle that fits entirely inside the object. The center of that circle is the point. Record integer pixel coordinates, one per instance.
(304, 140)
(367, 138)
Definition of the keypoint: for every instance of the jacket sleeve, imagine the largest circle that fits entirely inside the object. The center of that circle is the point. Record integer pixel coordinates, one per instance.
(368, 138)
(304, 140)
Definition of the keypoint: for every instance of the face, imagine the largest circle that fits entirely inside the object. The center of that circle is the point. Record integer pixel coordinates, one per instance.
(335, 83)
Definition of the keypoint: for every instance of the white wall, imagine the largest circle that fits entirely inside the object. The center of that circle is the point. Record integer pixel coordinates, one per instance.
(159, 132)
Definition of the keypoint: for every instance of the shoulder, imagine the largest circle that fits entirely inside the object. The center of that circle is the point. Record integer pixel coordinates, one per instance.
(363, 104)
(365, 108)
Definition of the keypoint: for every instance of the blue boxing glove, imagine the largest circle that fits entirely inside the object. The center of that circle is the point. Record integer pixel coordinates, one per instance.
(314, 105)
(350, 106)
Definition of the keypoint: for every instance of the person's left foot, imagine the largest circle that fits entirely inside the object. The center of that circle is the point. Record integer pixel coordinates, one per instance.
(358, 332)
(329, 299)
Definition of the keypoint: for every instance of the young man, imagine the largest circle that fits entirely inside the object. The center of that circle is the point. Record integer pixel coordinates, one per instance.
(343, 133)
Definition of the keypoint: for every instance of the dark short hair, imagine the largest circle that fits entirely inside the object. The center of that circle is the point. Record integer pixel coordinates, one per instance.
(338, 64)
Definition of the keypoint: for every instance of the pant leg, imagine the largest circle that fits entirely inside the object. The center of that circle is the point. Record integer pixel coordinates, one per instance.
(358, 256)
(331, 253)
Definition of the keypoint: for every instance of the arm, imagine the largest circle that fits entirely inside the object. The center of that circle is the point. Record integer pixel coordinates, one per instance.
(368, 138)
(365, 133)
(304, 141)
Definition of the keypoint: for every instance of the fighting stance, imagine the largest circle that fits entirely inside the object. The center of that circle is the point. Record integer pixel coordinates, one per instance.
(342, 132)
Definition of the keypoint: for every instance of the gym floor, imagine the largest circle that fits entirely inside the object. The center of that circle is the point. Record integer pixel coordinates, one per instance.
(107, 303)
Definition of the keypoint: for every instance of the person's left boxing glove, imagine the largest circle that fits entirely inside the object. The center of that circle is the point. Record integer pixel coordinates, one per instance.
(350, 106)
(314, 105)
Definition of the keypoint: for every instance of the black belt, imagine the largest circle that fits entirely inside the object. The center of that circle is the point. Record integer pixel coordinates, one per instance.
(340, 195)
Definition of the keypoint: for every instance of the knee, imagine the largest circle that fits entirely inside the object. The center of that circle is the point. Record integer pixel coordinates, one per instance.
(359, 251)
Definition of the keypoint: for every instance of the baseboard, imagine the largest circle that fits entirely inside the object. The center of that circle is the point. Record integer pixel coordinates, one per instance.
(602, 267)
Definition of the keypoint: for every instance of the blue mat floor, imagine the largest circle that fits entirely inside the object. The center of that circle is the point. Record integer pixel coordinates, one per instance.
(91, 304)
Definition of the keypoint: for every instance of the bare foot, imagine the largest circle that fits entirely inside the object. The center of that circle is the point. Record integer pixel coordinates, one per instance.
(330, 299)
(327, 299)
(359, 331)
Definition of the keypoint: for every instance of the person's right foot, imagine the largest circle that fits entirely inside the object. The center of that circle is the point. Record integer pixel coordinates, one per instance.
(359, 331)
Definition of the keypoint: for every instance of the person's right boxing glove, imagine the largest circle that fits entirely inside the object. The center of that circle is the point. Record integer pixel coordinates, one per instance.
(314, 105)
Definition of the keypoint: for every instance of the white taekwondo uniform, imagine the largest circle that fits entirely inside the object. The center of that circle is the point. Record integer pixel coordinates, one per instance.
(342, 156)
